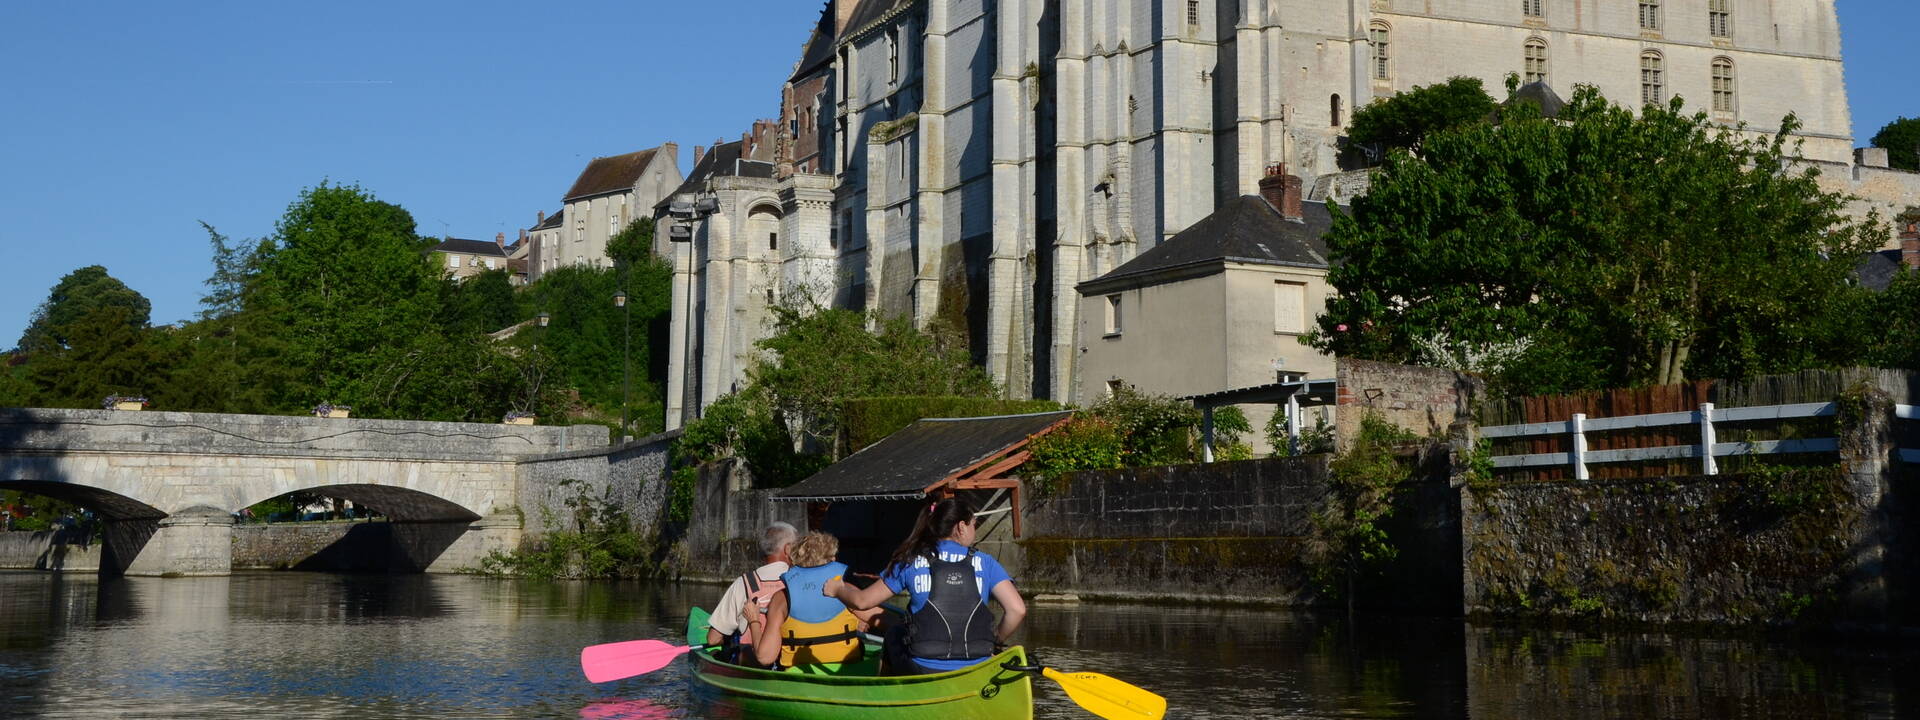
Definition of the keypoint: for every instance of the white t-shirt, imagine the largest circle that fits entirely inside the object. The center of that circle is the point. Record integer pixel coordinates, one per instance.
(730, 615)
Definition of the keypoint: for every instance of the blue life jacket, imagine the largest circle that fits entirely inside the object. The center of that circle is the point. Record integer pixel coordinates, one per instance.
(805, 602)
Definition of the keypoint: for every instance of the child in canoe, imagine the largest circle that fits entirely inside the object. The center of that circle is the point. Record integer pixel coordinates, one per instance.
(804, 626)
(949, 625)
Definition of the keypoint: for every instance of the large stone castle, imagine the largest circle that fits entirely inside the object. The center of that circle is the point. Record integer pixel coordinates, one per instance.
(969, 162)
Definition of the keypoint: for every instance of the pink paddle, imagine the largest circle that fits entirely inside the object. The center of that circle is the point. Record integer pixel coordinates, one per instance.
(615, 661)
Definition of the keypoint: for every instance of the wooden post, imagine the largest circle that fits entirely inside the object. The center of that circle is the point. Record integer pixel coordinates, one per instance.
(1708, 465)
(1578, 428)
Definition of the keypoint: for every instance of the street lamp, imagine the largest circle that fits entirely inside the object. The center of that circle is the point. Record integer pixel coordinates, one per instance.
(543, 318)
(626, 354)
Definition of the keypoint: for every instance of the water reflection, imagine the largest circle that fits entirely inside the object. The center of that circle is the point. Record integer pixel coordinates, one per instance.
(311, 645)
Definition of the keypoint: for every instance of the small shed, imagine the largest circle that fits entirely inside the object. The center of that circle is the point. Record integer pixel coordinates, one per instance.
(868, 499)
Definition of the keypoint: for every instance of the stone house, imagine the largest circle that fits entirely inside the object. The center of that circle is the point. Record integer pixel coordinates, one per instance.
(1220, 306)
(610, 192)
(543, 244)
(464, 258)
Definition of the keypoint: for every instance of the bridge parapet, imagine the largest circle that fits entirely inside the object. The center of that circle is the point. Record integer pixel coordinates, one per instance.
(45, 430)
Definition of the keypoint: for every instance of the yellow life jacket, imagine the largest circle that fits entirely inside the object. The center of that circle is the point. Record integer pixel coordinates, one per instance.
(836, 640)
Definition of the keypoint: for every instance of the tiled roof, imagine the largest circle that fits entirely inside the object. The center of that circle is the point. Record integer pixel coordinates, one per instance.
(470, 247)
(920, 456)
(552, 221)
(610, 174)
(1245, 230)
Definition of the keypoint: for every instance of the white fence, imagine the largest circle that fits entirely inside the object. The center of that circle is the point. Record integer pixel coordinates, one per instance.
(1707, 449)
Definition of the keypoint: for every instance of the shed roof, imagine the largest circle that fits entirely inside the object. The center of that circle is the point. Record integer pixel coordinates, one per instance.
(610, 174)
(1876, 270)
(1246, 229)
(921, 456)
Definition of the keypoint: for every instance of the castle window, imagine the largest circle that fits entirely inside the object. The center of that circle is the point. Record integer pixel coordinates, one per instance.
(1536, 61)
(1113, 314)
(1720, 18)
(1653, 85)
(773, 241)
(1193, 12)
(1333, 111)
(1722, 85)
(893, 59)
(1530, 8)
(1379, 35)
(1650, 14)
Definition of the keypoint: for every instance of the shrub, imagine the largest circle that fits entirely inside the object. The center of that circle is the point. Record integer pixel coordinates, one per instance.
(1083, 443)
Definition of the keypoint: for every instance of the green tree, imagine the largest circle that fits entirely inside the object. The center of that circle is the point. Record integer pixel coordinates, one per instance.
(818, 357)
(633, 244)
(78, 294)
(480, 304)
(1611, 248)
(105, 352)
(1404, 120)
(586, 333)
(345, 283)
(1901, 138)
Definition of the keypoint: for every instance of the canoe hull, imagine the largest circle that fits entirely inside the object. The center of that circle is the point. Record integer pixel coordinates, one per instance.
(983, 692)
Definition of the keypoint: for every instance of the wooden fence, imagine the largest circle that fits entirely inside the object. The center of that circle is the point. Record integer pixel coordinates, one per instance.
(1666, 430)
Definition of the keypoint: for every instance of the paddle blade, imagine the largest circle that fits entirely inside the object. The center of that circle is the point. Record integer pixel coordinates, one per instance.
(697, 620)
(614, 661)
(1107, 697)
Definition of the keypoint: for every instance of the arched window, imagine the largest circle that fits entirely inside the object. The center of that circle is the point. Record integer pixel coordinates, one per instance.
(1379, 34)
(1535, 67)
(1653, 84)
(1333, 110)
(1650, 14)
(1720, 18)
(1723, 85)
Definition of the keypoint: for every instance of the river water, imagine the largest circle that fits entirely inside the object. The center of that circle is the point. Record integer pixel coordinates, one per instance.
(417, 646)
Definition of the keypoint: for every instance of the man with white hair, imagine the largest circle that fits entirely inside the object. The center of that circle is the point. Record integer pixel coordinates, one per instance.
(743, 607)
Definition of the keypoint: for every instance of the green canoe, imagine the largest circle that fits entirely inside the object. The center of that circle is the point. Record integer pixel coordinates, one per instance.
(985, 691)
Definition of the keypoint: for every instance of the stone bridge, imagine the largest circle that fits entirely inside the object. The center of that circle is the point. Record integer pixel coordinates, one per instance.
(167, 484)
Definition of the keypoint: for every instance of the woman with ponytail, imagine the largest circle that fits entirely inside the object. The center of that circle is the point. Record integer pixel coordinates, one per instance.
(949, 625)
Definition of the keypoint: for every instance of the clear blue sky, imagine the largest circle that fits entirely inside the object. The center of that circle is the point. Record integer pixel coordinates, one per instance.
(123, 124)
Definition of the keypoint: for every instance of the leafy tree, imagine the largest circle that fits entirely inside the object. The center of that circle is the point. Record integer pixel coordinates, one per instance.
(343, 278)
(105, 352)
(633, 245)
(586, 334)
(480, 304)
(818, 357)
(1617, 249)
(76, 295)
(1404, 120)
(1901, 138)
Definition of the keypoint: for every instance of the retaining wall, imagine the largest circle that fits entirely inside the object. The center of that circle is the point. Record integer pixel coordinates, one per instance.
(631, 476)
(722, 537)
(48, 550)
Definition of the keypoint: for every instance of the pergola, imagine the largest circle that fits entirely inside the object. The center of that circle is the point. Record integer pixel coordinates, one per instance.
(1292, 391)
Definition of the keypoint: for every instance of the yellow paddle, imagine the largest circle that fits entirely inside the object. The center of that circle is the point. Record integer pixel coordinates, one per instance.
(1107, 697)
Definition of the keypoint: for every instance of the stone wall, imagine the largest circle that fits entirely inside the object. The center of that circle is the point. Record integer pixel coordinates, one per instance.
(1428, 401)
(354, 547)
(1232, 531)
(1688, 549)
(48, 550)
(723, 528)
(632, 476)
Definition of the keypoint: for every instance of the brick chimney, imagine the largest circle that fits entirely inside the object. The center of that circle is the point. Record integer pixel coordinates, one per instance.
(539, 216)
(842, 12)
(699, 151)
(1910, 245)
(500, 239)
(1282, 191)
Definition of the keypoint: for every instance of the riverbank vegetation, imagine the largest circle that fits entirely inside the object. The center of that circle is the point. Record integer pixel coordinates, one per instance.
(343, 304)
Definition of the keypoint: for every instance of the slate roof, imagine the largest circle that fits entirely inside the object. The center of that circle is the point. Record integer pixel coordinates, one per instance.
(1244, 230)
(552, 221)
(906, 463)
(721, 161)
(1541, 94)
(610, 174)
(820, 44)
(870, 12)
(470, 247)
(1876, 270)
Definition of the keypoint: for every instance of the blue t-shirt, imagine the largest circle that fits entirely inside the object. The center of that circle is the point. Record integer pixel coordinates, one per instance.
(917, 581)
